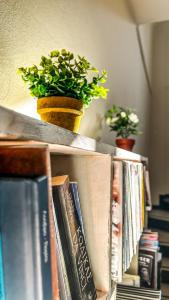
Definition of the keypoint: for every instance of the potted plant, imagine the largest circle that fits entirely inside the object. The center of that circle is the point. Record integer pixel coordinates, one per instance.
(64, 85)
(125, 122)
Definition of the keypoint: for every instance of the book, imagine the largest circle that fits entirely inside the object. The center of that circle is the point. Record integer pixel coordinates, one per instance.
(76, 199)
(148, 201)
(146, 269)
(24, 228)
(117, 202)
(73, 243)
(64, 288)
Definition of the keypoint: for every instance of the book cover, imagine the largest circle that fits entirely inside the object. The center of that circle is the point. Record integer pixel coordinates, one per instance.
(24, 224)
(146, 262)
(73, 242)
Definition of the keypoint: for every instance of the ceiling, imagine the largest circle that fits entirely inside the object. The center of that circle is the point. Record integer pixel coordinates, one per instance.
(149, 11)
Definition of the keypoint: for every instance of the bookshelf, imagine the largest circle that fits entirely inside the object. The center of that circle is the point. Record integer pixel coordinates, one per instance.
(86, 161)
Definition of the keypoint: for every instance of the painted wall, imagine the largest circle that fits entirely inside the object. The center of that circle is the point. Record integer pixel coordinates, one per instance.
(159, 125)
(103, 31)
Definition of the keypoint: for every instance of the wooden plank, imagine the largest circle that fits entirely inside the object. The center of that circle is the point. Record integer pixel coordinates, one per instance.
(16, 126)
(53, 148)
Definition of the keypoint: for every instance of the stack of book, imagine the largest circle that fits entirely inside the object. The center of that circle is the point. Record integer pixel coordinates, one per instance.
(149, 260)
(136, 293)
(75, 274)
(43, 253)
(130, 197)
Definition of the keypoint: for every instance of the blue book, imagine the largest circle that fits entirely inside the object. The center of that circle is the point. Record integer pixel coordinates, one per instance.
(24, 225)
(76, 200)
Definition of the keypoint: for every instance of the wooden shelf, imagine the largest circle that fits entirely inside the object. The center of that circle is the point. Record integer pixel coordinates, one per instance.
(86, 161)
(18, 127)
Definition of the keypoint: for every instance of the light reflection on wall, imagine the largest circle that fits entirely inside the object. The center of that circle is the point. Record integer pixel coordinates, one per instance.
(27, 107)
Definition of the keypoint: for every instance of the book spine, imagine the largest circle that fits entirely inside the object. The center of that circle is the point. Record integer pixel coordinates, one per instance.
(53, 250)
(45, 250)
(64, 288)
(78, 246)
(18, 240)
(2, 287)
(76, 200)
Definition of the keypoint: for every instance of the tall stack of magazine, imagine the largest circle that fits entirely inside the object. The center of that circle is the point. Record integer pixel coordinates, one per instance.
(130, 198)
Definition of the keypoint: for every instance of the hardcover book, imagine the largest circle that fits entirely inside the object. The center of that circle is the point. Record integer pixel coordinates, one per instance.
(73, 242)
(24, 226)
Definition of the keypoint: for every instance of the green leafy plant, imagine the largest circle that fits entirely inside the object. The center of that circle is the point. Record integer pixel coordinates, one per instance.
(61, 74)
(122, 120)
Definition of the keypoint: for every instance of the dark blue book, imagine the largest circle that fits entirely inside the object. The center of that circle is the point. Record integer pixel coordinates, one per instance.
(24, 229)
(75, 196)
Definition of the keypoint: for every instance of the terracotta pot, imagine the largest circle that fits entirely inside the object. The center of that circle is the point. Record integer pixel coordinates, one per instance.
(126, 144)
(62, 111)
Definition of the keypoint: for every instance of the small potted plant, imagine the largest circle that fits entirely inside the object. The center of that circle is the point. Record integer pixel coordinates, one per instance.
(125, 122)
(64, 85)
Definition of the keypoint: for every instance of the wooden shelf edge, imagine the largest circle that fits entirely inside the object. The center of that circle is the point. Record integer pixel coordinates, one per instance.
(16, 126)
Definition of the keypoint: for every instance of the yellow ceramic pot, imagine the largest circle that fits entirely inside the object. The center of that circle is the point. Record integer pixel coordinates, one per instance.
(62, 111)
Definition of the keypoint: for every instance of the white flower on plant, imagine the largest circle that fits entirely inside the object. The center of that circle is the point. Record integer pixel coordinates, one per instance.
(133, 118)
(123, 114)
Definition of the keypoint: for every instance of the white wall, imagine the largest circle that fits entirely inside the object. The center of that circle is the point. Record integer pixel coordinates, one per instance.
(103, 31)
(159, 126)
